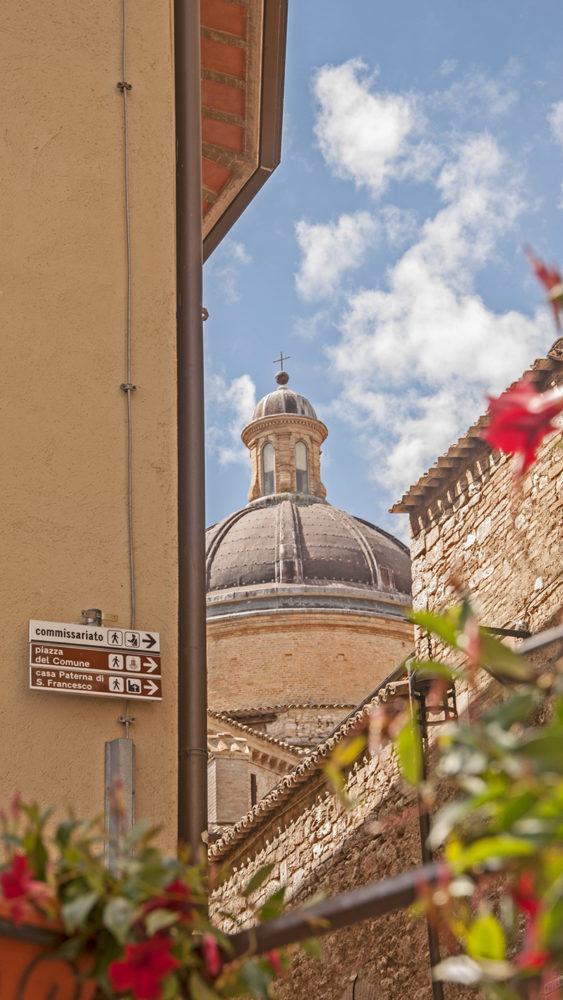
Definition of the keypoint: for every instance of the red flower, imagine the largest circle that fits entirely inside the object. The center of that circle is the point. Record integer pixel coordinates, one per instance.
(211, 956)
(550, 279)
(17, 880)
(19, 887)
(178, 899)
(143, 968)
(524, 894)
(533, 958)
(520, 419)
(273, 957)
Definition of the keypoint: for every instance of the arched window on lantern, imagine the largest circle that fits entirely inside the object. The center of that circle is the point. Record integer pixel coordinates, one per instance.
(301, 468)
(268, 469)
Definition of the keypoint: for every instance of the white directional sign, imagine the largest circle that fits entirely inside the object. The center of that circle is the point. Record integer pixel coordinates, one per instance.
(89, 659)
(95, 636)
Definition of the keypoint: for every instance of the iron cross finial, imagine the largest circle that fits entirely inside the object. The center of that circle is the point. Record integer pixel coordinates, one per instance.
(279, 361)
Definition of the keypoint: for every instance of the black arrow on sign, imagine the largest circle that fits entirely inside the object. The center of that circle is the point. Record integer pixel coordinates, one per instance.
(149, 641)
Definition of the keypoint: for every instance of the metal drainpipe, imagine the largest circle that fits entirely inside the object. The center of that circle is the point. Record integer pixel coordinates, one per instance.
(426, 853)
(192, 681)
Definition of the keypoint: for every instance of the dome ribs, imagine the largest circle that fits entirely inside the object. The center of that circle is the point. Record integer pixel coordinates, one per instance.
(285, 540)
(289, 567)
(353, 528)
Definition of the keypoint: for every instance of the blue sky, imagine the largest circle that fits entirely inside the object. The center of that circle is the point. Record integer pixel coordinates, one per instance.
(423, 146)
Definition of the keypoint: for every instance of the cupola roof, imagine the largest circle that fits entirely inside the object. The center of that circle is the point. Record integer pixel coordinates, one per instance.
(283, 400)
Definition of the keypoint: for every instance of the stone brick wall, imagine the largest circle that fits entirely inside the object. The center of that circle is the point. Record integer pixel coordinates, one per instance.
(504, 546)
(314, 656)
(295, 723)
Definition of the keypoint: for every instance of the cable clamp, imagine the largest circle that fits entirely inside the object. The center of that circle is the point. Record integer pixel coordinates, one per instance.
(127, 387)
(123, 85)
(204, 314)
(194, 751)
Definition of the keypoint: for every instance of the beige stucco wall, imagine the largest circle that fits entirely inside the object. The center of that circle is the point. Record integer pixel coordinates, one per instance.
(63, 321)
(294, 657)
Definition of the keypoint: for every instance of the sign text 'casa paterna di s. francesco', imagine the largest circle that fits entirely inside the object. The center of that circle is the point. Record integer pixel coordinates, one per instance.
(89, 659)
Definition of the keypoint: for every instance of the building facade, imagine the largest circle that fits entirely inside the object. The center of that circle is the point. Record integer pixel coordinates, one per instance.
(471, 530)
(305, 603)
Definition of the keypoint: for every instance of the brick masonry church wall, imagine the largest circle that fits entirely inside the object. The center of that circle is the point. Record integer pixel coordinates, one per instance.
(321, 657)
(296, 723)
(504, 545)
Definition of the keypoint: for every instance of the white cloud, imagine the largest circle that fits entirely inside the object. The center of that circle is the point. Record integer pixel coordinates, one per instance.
(448, 66)
(330, 250)
(230, 406)
(312, 327)
(400, 225)
(366, 136)
(225, 265)
(478, 93)
(416, 359)
(555, 119)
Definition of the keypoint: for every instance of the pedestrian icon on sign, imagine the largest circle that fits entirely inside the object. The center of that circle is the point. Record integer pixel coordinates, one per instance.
(116, 662)
(116, 638)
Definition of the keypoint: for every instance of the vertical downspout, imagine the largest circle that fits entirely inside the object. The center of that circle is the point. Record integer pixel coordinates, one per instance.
(424, 828)
(192, 686)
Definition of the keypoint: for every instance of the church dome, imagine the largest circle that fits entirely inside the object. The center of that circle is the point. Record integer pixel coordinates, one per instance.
(283, 400)
(289, 548)
(301, 543)
(306, 604)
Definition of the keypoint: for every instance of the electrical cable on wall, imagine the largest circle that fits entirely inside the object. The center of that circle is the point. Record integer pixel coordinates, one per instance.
(127, 387)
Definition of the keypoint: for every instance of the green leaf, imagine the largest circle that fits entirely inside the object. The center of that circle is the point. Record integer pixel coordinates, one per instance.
(347, 752)
(552, 926)
(274, 905)
(313, 947)
(256, 979)
(118, 917)
(64, 832)
(433, 668)
(501, 661)
(492, 850)
(409, 752)
(75, 913)
(545, 751)
(516, 709)
(445, 626)
(485, 939)
(157, 920)
(258, 879)
(199, 990)
(446, 819)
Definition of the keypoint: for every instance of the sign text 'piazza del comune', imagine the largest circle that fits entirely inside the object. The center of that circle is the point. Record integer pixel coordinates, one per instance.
(88, 659)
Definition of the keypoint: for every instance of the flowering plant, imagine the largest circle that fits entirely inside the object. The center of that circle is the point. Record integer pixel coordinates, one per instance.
(500, 896)
(142, 926)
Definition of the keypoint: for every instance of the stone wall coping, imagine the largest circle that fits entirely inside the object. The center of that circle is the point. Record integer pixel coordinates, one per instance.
(469, 446)
(256, 735)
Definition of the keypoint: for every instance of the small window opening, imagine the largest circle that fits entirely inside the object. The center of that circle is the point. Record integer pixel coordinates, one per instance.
(253, 790)
(301, 468)
(268, 469)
